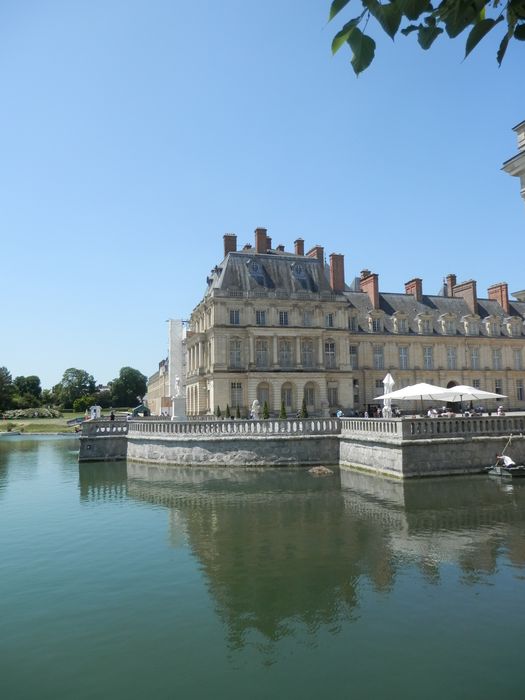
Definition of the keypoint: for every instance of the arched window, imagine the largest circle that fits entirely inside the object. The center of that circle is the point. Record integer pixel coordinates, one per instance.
(287, 396)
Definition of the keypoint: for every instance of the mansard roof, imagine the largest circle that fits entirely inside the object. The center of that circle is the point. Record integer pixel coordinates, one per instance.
(248, 271)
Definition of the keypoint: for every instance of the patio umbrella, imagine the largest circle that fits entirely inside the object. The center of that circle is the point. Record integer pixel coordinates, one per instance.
(415, 392)
(388, 383)
(463, 392)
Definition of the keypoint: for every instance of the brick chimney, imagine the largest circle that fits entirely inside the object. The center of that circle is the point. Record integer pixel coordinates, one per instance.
(369, 283)
(467, 291)
(415, 287)
(500, 293)
(261, 240)
(230, 243)
(280, 248)
(268, 243)
(451, 283)
(316, 252)
(337, 272)
(299, 246)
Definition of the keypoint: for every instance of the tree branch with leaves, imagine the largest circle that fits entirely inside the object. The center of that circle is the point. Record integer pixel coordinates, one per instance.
(428, 20)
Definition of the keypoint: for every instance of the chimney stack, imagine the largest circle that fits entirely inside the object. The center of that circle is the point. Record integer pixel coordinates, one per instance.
(299, 246)
(316, 252)
(500, 293)
(280, 248)
(369, 283)
(337, 272)
(268, 243)
(261, 240)
(467, 291)
(230, 243)
(451, 283)
(415, 287)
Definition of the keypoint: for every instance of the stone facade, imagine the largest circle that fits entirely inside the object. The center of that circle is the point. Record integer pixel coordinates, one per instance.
(516, 165)
(281, 327)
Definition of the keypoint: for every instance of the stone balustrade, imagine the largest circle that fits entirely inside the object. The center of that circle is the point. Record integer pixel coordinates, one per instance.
(236, 428)
(102, 427)
(400, 429)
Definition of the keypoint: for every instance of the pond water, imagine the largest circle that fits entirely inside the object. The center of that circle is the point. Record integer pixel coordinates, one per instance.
(133, 581)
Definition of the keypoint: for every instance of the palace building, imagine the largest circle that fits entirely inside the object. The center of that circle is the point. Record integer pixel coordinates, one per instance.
(282, 326)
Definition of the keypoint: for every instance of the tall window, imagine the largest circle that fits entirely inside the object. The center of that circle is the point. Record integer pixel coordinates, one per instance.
(285, 352)
(260, 318)
(474, 358)
(236, 394)
(283, 318)
(307, 318)
(376, 325)
(354, 362)
(379, 359)
(307, 353)
(425, 326)
(329, 354)
(428, 357)
(261, 353)
(450, 327)
(235, 317)
(263, 395)
(498, 386)
(309, 395)
(403, 357)
(452, 358)
(519, 389)
(352, 323)
(333, 399)
(496, 358)
(286, 395)
(518, 359)
(235, 353)
(476, 383)
(401, 325)
(329, 320)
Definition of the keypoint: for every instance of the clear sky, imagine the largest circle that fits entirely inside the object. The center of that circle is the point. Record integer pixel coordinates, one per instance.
(135, 133)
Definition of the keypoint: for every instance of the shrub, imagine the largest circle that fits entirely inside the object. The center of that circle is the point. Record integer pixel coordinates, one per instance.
(303, 413)
(238, 412)
(266, 410)
(218, 414)
(282, 412)
(227, 414)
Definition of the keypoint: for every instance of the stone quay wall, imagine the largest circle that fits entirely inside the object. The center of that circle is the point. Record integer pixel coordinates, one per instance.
(401, 447)
(103, 441)
(430, 446)
(307, 442)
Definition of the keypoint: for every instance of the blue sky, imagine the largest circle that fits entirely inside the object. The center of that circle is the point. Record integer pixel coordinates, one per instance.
(134, 134)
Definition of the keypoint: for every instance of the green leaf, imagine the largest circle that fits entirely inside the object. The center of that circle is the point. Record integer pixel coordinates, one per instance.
(363, 47)
(427, 35)
(502, 49)
(519, 32)
(342, 36)
(413, 9)
(411, 28)
(478, 31)
(336, 7)
(388, 16)
(458, 14)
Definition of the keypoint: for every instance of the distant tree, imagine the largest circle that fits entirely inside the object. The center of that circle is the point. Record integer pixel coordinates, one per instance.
(84, 403)
(103, 399)
(75, 384)
(238, 412)
(266, 410)
(218, 413)
(28, 385)
(227, 414)
(454, 17)
(7, 388)
(129, 387)
(282, 412)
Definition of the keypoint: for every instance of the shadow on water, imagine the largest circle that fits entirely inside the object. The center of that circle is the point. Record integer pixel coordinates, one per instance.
(279, 547)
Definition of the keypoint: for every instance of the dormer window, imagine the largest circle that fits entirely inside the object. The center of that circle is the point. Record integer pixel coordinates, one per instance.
(514, 327)
(471, 327)
(376, 325)
(400, 325)
(492, 327)
(449, 326)
(352, 323)
(425, 326)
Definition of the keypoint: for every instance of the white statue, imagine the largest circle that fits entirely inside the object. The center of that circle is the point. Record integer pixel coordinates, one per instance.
(177, 387)
(256, 410)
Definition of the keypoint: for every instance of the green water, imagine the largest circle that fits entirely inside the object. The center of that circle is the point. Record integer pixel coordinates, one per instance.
(150, 582)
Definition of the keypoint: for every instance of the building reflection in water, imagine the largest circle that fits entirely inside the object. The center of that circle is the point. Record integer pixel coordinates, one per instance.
(280, 548)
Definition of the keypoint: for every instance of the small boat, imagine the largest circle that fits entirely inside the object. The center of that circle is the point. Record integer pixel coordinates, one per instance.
(506, 472)
(10, 432)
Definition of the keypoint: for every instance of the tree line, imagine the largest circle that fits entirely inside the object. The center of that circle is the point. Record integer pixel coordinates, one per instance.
(77, 390)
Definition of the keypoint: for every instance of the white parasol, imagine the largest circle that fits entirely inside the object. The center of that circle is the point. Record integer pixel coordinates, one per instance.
(388, 383)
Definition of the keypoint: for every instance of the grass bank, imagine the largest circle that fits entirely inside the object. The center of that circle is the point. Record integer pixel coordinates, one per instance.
(40, 425)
